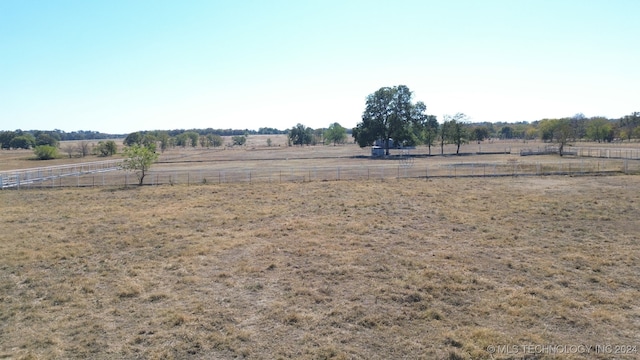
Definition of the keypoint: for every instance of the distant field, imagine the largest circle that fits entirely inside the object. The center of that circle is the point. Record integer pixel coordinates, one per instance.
(256, 149)
(277, 163)
(437, 269)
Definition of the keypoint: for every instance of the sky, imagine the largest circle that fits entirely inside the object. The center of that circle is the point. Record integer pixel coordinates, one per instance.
(119, 66)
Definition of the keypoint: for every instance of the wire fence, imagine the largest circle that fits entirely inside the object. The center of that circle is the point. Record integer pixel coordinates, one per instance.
(38, 176)
(604, 153)
(382, 172)
(608, 153)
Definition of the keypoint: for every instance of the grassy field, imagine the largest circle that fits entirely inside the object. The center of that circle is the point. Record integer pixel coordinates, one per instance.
(438, 269)
(257, 162)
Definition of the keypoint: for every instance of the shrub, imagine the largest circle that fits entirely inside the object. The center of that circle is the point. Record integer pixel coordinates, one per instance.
(239, 140)
(46, 152)
(106, 148)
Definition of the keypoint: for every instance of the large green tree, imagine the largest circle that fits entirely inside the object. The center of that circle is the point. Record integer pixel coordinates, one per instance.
(388, 115)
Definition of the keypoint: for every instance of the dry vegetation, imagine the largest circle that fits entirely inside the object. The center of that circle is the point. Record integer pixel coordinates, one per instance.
(436, 269)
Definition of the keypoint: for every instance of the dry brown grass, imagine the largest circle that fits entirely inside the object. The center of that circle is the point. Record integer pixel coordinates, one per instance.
(436, 269)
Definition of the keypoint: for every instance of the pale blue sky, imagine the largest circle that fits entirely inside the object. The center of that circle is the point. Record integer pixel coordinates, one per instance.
(121, 66)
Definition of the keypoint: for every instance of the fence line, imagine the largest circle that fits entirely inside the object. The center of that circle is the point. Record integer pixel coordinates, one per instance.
(608, 153)
(388, 172)
(40, 175)
(605, 153)
(340, 173)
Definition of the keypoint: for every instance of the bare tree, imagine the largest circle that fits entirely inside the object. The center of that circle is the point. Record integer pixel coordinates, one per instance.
(84, 148)
(70, 150)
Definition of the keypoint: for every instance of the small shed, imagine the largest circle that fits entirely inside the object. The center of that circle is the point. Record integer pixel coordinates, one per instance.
(377, 151)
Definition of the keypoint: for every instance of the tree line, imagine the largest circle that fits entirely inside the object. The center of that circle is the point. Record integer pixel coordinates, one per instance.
(392, 119)
(26, 139)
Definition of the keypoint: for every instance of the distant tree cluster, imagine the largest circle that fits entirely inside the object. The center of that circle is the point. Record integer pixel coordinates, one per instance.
(20, 139)
(390, 117)
(223, 132)
(27, 139)
(206, 138)
(302, 135)
(575, 128)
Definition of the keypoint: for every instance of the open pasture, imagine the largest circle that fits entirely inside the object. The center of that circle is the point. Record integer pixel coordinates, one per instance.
(258, 162)
(437, 269)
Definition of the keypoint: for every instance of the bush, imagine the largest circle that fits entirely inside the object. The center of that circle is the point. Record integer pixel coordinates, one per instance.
(239, 140)
(106, 148)
(46, 152)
